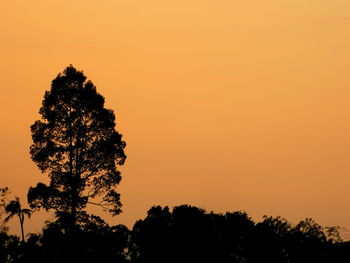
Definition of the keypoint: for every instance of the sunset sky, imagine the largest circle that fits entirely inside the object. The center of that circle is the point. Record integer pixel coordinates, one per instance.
(223, 104)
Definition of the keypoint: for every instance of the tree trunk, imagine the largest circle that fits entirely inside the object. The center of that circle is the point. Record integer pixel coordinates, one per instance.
(21, 219)
(72, 216)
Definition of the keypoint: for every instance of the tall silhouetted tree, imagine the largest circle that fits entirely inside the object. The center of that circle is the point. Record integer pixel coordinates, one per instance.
(14, 208)
(77, 145)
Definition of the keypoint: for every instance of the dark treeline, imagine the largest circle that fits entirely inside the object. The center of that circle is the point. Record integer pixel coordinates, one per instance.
(185, 234)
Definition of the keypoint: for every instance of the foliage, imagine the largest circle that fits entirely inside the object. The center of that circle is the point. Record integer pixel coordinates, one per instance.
(94, 241)
(76, 143)
(9, 248)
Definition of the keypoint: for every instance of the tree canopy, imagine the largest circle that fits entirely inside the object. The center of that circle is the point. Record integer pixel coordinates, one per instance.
(75, 142)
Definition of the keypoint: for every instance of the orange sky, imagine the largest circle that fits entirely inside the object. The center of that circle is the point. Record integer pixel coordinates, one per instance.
(225, 104)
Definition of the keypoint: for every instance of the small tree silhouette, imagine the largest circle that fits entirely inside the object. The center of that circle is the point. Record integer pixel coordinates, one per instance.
(14, 208)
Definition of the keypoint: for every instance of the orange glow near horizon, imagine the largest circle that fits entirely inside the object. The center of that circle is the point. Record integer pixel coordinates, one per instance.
(227, 105)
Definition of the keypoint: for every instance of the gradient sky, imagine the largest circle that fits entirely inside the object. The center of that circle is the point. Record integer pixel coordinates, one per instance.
(224, 104)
